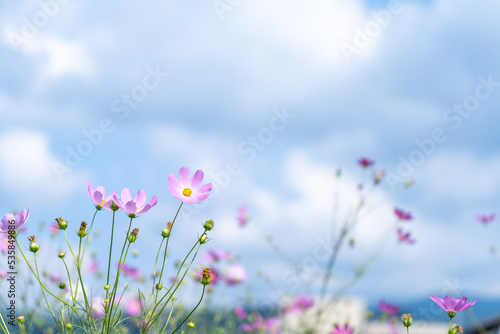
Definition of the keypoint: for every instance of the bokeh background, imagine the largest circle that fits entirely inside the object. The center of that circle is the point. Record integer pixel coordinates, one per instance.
(126, 93)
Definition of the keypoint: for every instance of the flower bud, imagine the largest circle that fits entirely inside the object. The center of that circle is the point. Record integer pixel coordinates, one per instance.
(107, 287)
(61, 255)
(33, 245)
(208, 225)
(113, 206)
(203, 238)
(20, 319)
(133, 235)
(206, 276)
(407, 320)
(61, 223)
(378, 176)
(69, 325)
(62, 286)
(191, 324)
(106, 301)
(456, 329)
(451, 314)
(166, 230)
(82, 231)
(159, 286)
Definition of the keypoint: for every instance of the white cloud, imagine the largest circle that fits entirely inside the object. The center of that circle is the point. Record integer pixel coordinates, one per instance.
(26, 168)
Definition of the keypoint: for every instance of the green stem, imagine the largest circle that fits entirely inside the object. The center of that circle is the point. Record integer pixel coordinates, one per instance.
(168, 320)
(202, 294)
(87, 305)
(109, 306)
(45, 296)
(165, 254)
(150, 323)
(88, 234)
(109, 265)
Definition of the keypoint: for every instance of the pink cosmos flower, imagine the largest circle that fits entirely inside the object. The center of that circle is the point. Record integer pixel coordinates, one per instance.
(243, 216)
(261, 325)
(2, 273)
(365, 162)
(98, 307)
(402, 215)
(93, 266)
(136, 206)
(4, 244)
(485, 219)
(134, 306)
(216, 255)
(98, 196)
(388, 308)
(405, 237)
(345, 330)
(131, 272)
(186, 190)
(299, 304)
(18, 221)
(55, 278)
(452, 305)
(240, 312)
(235, 274)
(53, 230)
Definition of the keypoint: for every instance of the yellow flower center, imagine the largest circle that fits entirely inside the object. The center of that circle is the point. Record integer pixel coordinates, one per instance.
(102, 202)
(187, 192)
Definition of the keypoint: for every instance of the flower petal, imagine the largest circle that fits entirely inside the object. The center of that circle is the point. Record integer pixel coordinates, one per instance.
(140, 198)
(450, 303)
(130, 207)
(466, 306)
(197, 178)
(174, 182)
(184, 177)
(438, 301)
(460, 304)
(148, 206)
(90, 189)
(204, 188)
(174, 192)
(117, 201)
(126, 197)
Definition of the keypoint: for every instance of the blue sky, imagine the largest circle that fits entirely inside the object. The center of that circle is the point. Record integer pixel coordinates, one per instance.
(219, 79)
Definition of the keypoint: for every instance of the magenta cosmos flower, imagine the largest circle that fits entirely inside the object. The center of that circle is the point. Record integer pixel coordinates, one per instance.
(235, 274)
(136, 206)
(189, 190)
(216, 255)
(365, 162)
(388, 308)
(405, 237)
(485, 219)
(452, 305)
(342, 330)
(299, 304)
(243, 216)
(402, 215)
(14, 223)
(240, 312)
(98, 196)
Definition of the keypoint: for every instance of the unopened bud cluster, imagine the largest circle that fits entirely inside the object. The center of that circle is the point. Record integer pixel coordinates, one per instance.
(166, 230)
(206, 276)
(61, 223)
(83, 230)
(455, 329)
(33, 245)
(133, 235)
(208, 225)
(407, 320)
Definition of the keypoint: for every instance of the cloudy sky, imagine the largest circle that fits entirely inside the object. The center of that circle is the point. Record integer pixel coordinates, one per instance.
(269, 98)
